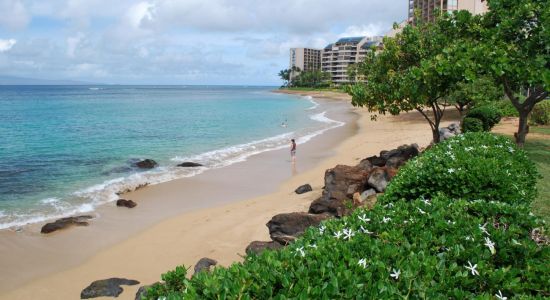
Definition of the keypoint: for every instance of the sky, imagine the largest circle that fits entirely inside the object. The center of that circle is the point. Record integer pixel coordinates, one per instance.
(241, 42)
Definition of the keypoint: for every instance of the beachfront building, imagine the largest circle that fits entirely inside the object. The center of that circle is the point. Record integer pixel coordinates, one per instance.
(304, 59)
(427, 8)
(336, 58)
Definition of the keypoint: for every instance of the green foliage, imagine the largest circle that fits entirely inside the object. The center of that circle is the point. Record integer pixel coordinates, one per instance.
(475, 93)
(419, 248)
(472, 125)
(312, 79)
(488, 114)
(415, 70)
(541, 113)
(285, 75)
(506, 108)
(471, 166)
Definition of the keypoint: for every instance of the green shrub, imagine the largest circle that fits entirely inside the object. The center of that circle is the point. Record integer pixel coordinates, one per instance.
(541, 113)
(439, 248)
(472, 125)
(429, 244)
(470, 166)
(506, 108)
(489, 115)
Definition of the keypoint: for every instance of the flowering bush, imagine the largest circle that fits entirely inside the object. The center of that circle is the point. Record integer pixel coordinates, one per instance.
(472, 125)
(470, 166)
(439, 248)
(425, 244)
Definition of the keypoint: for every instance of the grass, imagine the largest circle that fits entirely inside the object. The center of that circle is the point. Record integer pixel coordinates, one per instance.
(538, 150)
(540, 130)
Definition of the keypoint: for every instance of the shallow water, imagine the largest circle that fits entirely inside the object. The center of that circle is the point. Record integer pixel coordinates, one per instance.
(67, 149)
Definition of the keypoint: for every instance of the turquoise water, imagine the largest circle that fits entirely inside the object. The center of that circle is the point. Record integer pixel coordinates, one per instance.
(67, 149)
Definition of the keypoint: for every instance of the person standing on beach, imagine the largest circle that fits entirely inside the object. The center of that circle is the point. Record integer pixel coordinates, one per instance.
(293, 150)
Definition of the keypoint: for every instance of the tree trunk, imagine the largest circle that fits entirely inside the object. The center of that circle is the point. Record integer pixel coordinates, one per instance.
(523, 129)
(435, 134)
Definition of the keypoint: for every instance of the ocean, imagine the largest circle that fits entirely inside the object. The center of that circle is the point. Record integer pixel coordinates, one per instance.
(68, 149)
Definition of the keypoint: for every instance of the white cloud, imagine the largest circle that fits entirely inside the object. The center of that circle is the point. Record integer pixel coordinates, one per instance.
(73, 43)
(13, 14)
(365, 30)
(6, 45)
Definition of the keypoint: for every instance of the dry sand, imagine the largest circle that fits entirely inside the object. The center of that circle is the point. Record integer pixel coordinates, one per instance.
(222, 232)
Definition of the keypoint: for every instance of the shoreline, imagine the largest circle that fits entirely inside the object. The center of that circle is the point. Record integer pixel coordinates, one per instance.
(223, 230)
(29, 256)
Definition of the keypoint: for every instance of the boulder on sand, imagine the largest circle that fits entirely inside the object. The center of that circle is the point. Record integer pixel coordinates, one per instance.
(189, 164)
(285, 228)
(341, 182)
(303, 189)
(106, 288)
(146, 164)
(125, 203)
(258, 247)
(204, 264)
(65, 222)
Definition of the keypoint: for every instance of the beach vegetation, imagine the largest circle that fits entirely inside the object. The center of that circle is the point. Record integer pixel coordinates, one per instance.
(487, 114)
(468, 94)
(513, 50)
(312, 79)
(541, 113)
(430, 244)
(285, 76)
(472, 125)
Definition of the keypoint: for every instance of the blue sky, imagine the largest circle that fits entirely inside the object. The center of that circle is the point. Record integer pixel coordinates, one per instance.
(176, 41)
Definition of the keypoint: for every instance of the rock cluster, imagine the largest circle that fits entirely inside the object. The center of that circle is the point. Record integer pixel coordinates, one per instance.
(346, 188)
(303, 189)
(188, 164)
(449, 131)
(126, 203)
(146, 164)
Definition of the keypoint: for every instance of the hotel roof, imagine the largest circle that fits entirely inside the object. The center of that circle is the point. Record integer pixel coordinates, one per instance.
(350, 40)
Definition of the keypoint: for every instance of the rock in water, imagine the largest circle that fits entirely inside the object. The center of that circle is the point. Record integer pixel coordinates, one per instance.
(303, 189)
(204, 264)
(258, 247)
(188, 164)
(146, 164)
(64, 223)
(106, 288)
(126, 203)
(285, 228)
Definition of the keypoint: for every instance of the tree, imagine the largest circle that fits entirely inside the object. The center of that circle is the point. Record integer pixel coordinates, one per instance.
(468, 94)
(311, 79)
(285, 76)
(415, 70)
(515, 51)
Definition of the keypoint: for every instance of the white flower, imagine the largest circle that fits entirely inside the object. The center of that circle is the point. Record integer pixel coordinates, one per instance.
(468, 149)
(516, 242)
(469, 238)
(322, 229)
(421, 211)
(386, 220)
(484, 147)
(500, 296)
(395, 274)
(491, 245)
(364, 218)
(314, 246)
(483, 228)
(389, 205)
(450, 222)
(363, 262)
(452, 156)
(427, 202)
(301, 251)
(338, 234)
(511, 150)
(472, 268)
(348, 233)
(451, 170)
(365, 230)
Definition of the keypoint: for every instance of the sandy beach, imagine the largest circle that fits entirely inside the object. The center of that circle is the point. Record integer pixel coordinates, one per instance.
(215, 214)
